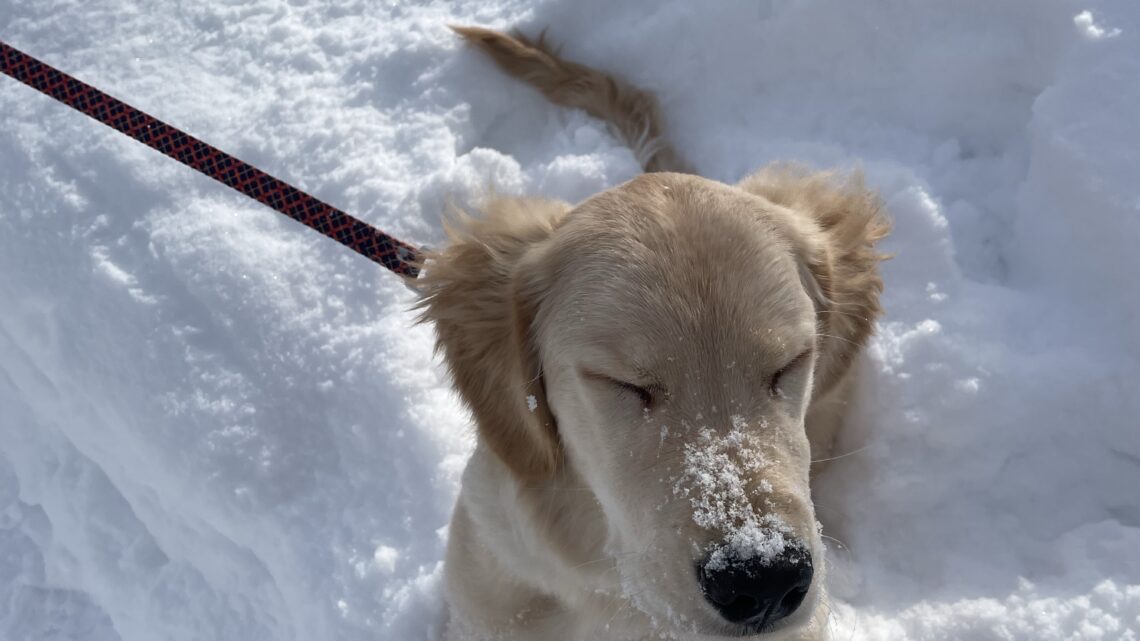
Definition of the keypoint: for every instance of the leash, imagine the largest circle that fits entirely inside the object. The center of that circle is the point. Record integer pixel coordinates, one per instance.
(351, 232)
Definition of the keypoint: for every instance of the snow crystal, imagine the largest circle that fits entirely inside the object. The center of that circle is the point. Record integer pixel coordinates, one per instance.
(764, 539)
(531, 403)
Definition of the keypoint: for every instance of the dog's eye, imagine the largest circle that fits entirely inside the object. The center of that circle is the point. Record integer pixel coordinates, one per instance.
(643, 394)
(774, 387)
(647, 395)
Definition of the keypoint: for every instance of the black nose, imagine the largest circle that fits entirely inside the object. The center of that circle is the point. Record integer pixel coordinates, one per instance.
(757, 591)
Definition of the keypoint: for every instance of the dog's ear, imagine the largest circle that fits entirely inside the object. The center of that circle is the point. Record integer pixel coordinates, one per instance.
(833, 235)
(483, 303)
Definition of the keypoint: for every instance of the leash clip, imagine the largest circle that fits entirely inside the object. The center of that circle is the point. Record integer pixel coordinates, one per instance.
(411, 257)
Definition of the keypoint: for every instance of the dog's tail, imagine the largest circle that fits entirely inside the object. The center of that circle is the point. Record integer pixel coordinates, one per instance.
(630, 112)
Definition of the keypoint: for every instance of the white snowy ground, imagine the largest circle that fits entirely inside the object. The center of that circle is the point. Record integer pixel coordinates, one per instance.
(217, 425)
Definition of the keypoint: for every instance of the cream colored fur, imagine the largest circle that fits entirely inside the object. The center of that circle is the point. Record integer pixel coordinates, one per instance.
(608, 349)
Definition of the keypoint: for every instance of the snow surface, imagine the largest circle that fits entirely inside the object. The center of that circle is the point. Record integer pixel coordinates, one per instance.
(217, 425)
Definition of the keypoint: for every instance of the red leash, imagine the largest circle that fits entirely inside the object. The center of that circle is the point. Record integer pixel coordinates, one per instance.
(215, 163)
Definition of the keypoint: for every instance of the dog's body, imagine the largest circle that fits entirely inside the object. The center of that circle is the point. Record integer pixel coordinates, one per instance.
(650, 373)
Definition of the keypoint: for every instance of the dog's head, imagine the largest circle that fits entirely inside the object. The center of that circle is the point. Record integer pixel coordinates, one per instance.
(662, 340)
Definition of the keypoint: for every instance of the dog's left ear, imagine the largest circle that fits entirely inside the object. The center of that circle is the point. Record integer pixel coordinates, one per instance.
(482, 297)
(835, 226)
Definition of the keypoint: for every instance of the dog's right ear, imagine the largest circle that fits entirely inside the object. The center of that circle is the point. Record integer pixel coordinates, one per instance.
(483, 309)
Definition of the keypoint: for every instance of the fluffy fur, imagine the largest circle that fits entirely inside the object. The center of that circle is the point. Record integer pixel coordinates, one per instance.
(650, 374)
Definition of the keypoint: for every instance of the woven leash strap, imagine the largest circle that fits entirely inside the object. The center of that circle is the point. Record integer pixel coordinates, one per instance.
(215, 163)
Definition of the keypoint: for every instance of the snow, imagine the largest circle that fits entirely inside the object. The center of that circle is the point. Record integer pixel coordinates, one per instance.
(715, 478)
(216, 425)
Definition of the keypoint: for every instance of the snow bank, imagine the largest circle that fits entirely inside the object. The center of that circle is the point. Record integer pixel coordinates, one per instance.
(216, 425)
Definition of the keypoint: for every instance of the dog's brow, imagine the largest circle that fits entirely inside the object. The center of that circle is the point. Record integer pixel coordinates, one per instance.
(783, 341)
(646, 375)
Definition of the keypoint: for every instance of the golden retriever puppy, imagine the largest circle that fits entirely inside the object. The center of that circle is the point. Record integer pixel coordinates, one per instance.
(650, 372)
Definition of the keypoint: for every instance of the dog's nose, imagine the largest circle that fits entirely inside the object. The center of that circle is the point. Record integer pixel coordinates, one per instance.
(757, 591)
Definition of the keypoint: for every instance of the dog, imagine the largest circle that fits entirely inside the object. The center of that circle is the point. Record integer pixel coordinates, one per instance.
(650, 374)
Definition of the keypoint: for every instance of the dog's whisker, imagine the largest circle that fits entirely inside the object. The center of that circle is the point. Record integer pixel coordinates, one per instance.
(841, 544)
(838, 338)
(611, 557)
(837, 312)
(845, 455)
(619, 607)
(625, 603)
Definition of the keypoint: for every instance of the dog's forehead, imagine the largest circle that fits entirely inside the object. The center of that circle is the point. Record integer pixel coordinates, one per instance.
(669, 258)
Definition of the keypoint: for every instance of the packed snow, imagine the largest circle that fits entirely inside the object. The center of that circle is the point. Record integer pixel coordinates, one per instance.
(215, 424)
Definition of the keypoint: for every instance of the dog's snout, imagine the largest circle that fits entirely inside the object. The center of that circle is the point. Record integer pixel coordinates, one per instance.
(758, 591)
